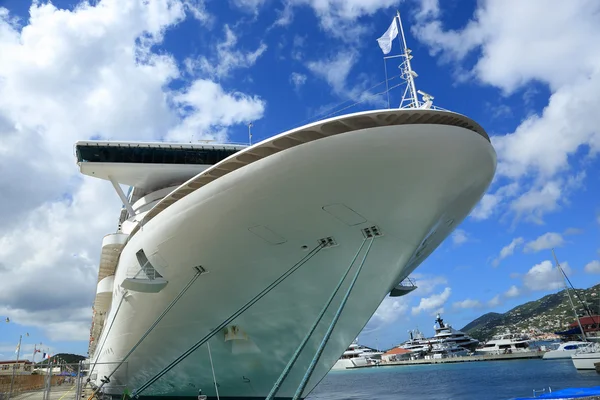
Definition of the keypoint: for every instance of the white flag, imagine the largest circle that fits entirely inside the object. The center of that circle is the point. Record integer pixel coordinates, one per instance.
(385, 41)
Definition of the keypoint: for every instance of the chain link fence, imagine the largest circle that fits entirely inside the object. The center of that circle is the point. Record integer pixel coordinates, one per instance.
(52, 382)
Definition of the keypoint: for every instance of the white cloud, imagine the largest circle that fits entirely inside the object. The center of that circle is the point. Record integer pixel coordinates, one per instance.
(459, 236)
(74, 74)
(485, 208)
(544, 276)
(341, 18)
(508, 250)
(490, 202)
(513, 291)
(427, 283)
(511, 53)
(547, 241)
(467, 303)
(248, 5)
(593, 267)
(212, 107)
(227, 59)
(432, 303)
(494, 301)
(390, 309)
(297, 79)
(573, 231)
(335, 70)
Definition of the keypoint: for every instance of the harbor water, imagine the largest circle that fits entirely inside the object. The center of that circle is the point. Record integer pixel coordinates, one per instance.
(490, 380)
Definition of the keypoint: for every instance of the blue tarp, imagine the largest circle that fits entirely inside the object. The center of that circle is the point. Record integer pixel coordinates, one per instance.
(571, 393)
(573, 331)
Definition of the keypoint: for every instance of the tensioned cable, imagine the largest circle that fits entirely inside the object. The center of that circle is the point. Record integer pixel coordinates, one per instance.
(199, 271)
(336, 317)
(296, 354)
(223, 324)
(319, 116)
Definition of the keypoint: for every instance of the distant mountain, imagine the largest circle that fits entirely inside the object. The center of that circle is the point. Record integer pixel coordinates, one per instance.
(549, 314)
(65, 358)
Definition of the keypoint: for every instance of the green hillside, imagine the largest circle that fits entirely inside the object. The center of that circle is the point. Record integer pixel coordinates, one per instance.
(549, 314)
(64, 358)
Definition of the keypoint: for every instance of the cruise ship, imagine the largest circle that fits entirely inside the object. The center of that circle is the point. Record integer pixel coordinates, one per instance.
(244, 272)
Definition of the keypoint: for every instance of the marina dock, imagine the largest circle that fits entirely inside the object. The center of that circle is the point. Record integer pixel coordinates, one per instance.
(460, 359)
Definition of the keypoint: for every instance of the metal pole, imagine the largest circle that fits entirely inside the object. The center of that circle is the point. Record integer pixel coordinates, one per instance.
(313, 363)
(250, 133)
(12, 379)
(78, 390)
(411, 80)
(213, 370)
(122, 196)
(387, 89)
(569, 295)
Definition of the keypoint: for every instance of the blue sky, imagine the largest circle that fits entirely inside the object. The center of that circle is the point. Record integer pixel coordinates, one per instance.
(188, 70)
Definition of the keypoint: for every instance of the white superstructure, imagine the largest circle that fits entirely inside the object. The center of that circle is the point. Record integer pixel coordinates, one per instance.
(506, 343)
(226, 257)
(444, 333)
(586, 356)
(357, 356)
(564, 350)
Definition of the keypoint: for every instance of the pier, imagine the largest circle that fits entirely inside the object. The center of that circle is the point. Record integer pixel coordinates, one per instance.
(459, 359)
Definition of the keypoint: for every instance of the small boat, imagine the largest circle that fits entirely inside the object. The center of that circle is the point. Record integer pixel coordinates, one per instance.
(357, 356)
(564, 350)
(586, 356)
(506, 343)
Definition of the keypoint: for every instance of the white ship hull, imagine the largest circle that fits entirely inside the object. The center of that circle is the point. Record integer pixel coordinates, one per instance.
(585, 360)
(344, 363)
(404, 179)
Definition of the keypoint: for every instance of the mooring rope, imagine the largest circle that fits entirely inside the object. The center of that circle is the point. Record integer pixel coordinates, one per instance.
(223, 324)
(296, 354)
(313, 363)
(199, 271)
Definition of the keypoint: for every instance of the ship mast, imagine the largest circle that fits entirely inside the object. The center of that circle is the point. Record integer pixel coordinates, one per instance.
(569, 295)
(407, 72)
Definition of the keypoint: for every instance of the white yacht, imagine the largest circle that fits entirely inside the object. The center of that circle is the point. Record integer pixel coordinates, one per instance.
(357, 356)
(446, 350)
(506, 343)
(563, 350)
(586, 356)
(238, 270)
(444, 332)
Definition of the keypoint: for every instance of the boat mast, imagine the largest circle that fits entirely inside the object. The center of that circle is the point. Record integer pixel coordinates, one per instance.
(408, 74)
(569, 295)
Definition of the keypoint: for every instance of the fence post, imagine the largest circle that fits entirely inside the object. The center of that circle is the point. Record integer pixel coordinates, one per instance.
(78, 390)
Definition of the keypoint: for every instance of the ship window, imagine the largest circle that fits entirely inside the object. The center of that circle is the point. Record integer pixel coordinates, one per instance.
(571, 347)
(149, 155)
(520, 345)
(504, 346)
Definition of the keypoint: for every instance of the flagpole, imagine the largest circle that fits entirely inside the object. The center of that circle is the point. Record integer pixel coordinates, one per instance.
(411, 81)
(12, 379)
(387, 89)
